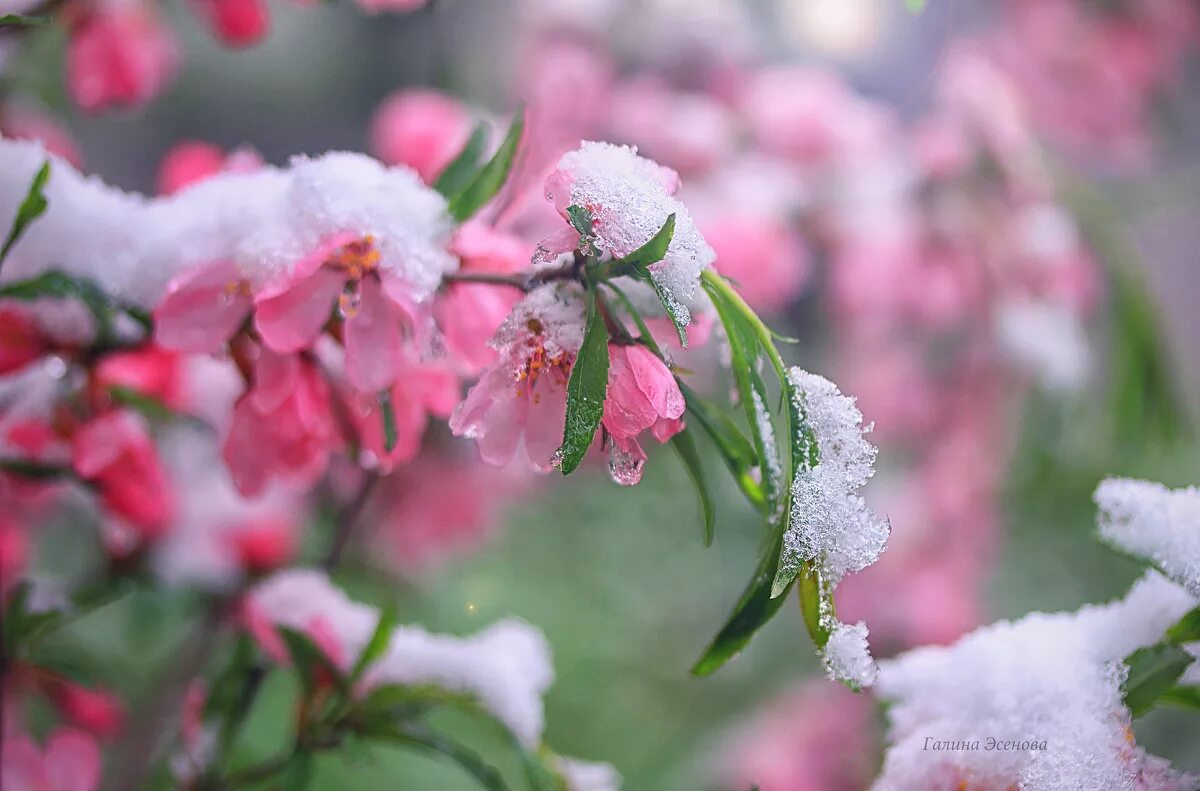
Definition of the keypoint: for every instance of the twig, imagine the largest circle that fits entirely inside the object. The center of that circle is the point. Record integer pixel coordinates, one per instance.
(524, 282)
(150, 722)
(347, 518)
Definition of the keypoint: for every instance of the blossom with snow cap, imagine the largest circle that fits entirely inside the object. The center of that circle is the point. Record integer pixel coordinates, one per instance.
(1051, 682)
(523, 395)
(1152, 521)
(628, 198)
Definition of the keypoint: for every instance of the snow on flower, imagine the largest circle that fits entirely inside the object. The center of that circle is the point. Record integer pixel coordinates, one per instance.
(523, 395)
(271, 227)
(831, 524)
(506, 667)
(1150, 520)
(1052, 681)
(629, 198)
(847, 656)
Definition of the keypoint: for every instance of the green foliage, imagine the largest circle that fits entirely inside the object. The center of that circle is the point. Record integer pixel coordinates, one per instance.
(637, 265)
(456, 175)
(491, 177)
(685, 447)
(586, 390)
(32, 207)
(387, 413)
(1153, 671)
(378, 643)
(20, 20)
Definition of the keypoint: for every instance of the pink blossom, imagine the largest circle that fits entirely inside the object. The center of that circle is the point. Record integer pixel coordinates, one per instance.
(119, 54)
(691, 132)
(343, 271)
(421, 390)
(236, 23)
(21, 340)
(522, 397)
(193, 161)
(763, 255)
(642, 395)
(420, 128)
(97, 712)
(816, 738)
(70, 761)
(798, 112)
(203, 308)
(114, 451)
(282, 426)
(150, 371)
(263, 544)
(468, 314)
(19, 123)
(14, 551)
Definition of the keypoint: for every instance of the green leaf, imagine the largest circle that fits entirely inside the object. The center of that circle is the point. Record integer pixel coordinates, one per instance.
(1186, 696)
(646, 338)
(753, 610)
(736, 450)
(387, 413)
(457, 174)
(804, 454)
(298, 773)
(1186, 629)
(62, 286)
(31, 208)
(417, 734)
(581, 220)
(915, 6)
(816, 604)
(491, 177)
(1153, 670)
(685, 446)
(378, 642)
(20, 20)
(586, 390)
(146, 405)
(638, 262)
(38, 471)
(310, 661)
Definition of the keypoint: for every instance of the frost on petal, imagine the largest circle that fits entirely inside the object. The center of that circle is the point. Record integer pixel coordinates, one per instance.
(265, 222)
(847, 656)
(1152, 521)
(630, 198)
(1050, 681)
(830, 523)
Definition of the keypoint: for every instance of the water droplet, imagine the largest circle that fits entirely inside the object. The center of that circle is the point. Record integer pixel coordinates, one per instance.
(623, 467)
(56, 367)
(349, 300)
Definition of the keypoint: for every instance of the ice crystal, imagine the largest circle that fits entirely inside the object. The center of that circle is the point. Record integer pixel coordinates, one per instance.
(1045, 690)
(265, 221)
(831, 524)
(629, 200)
(1154, 522)
(847, 656)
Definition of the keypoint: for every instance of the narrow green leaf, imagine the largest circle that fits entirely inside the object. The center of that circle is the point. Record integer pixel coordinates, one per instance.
(685, 446)
(1186, 629)
(1153, 670)
(638, 262)
(804, 454)
(378, 642)
(753, 610)
(586, 390)
(310, 660)
(62, 286)
(491, 177)
(20, 20)
(14, 615)
(387, 413)
(735, 448)
(816, 604)
(38, 471)
(455, 176)
(581, 220)
(417, 734)
(647, 337)
(140, 402)
(30, 209)
(1186, 696)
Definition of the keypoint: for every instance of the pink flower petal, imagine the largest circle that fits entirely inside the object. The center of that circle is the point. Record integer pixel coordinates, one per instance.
(292, 320)
(202, 309)
(72, 761)
(373, 341)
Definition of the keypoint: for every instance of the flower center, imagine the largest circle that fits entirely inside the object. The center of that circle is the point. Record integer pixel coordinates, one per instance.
(356, 258)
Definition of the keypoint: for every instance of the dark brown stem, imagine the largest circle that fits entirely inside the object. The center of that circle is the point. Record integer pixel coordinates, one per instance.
(347, 518)
(524, 282)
